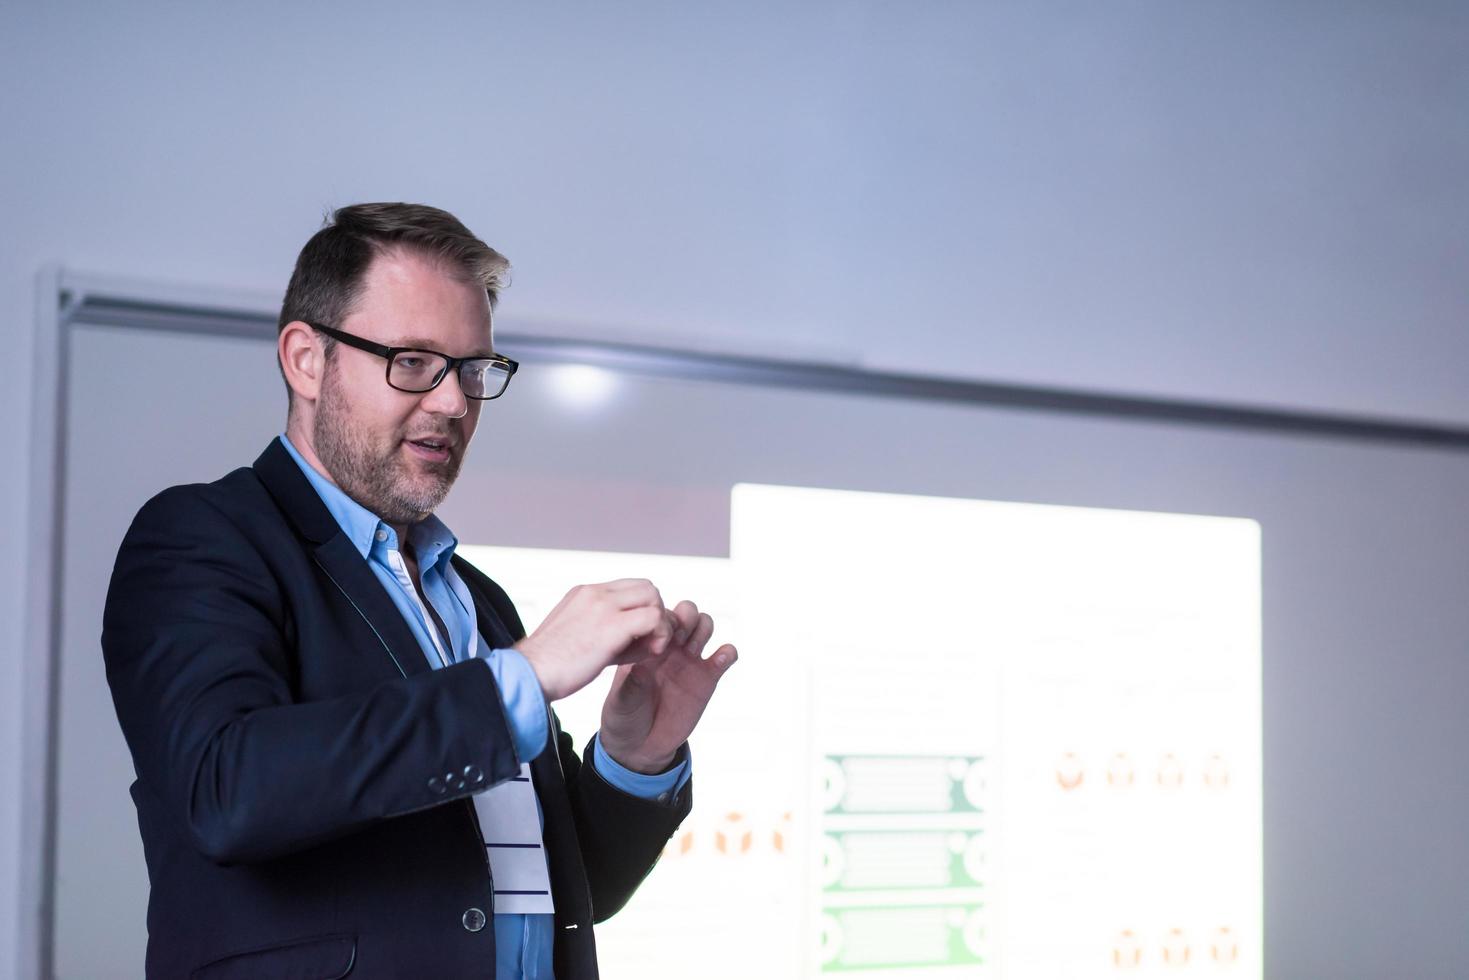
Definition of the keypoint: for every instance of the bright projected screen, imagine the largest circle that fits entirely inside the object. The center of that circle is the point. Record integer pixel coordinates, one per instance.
(964, 739)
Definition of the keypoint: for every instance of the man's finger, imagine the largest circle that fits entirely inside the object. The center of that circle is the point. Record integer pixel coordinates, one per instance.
(629, 593)
(638, 632)
(724, 658)
(622, 584)
(700, 635)
(658, 631)
(687, 616)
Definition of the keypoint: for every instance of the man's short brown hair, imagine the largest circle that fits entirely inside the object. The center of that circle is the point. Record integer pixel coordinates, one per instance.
(332, 265)
(331, 268)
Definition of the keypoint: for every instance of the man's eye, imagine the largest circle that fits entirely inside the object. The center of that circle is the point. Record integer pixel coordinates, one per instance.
(411, 363)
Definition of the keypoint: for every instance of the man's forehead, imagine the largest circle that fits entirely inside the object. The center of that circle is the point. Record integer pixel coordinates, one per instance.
(406, 278)
(415, 301)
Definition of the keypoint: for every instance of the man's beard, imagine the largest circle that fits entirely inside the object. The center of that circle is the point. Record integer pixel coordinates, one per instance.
(378, 477)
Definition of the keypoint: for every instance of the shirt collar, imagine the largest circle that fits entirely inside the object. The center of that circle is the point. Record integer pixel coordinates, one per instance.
(433, 542)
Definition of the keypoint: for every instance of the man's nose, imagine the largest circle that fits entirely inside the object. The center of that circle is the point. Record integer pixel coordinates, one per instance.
(447, 398)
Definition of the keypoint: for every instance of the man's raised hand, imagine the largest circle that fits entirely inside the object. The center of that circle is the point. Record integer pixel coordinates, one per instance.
(654, 705)
(594, 626)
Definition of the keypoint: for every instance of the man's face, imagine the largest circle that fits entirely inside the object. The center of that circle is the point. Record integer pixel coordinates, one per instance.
(397, 453)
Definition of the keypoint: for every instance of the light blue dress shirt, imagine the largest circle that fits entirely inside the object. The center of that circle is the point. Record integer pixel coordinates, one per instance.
(522, 942)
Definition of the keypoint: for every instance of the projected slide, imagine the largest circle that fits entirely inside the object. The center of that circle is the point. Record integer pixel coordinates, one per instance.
(964, 739)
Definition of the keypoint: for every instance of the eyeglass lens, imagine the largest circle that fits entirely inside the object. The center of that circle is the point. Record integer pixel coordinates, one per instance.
(420, 371)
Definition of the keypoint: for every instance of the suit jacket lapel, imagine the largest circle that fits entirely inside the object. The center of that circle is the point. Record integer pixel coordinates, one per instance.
(491, 627)
(338, 557)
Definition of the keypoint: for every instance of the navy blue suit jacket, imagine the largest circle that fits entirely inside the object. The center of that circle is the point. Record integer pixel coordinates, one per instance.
(304, 779)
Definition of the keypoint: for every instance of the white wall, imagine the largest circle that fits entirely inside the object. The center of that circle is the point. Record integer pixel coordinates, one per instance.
(1249, 202)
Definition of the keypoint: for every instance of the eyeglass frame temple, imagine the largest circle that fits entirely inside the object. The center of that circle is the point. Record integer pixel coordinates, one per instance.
(389, 353)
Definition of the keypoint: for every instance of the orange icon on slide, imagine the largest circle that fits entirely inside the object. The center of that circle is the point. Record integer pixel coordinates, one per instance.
(1069, 771)
(733, 836)
(741, 840)
(777, 836)
(1225, 947)
(1120, 772)
(1216, 772)
(1170, 772)
(1127, 951)
(1175, 948)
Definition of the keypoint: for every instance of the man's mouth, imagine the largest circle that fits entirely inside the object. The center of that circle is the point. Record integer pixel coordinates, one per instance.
(431, 448)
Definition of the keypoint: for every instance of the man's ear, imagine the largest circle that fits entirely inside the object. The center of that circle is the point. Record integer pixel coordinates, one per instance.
(303, 361)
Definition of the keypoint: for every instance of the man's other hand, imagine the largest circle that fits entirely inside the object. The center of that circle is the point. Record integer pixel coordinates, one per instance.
(594, 626)
(654, 704)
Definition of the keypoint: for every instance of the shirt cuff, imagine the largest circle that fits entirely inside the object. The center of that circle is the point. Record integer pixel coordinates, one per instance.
(641, 784)
(525, 705)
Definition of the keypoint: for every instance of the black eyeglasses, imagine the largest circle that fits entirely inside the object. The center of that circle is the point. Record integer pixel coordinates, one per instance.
(415, 370)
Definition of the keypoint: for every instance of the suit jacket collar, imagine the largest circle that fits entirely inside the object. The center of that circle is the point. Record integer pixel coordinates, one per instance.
(297, 499)
(338, 556)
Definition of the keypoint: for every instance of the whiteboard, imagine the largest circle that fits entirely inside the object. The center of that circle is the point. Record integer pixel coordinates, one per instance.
(1364, 558)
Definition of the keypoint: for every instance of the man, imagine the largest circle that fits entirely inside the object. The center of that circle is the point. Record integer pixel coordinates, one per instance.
(346, 763)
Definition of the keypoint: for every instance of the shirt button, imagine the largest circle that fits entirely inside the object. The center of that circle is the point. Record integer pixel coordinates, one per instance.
(664, 797)
(474, 774)
(473, 919)
(437, 785)
(382, 535)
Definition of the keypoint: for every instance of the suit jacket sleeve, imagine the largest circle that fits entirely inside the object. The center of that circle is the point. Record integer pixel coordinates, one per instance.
(197, 643)
(622, 835)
